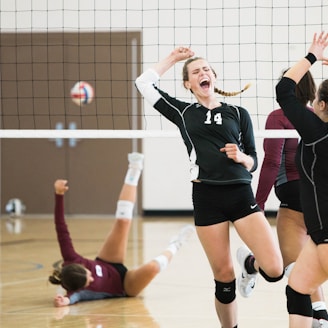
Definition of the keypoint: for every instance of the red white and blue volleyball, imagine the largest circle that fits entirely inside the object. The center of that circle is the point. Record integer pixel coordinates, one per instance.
(82, 93)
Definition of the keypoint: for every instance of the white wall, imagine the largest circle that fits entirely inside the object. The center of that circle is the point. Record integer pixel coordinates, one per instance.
(245, 41)
(166, 182)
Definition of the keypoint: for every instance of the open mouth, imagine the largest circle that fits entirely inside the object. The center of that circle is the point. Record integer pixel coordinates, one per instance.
(205, 84)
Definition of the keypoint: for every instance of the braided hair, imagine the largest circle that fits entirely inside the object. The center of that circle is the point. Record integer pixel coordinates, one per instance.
(233, 93)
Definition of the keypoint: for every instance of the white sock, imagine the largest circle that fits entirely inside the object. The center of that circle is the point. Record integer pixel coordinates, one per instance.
(181, 238)
(162, 261)
(288, 269)
(320, 305)
(132, 176)
(173, 248)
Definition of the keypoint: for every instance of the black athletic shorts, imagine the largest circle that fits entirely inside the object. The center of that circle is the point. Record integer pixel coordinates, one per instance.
(289, 195)
(121, 268)
(219, 203)
(319, 237)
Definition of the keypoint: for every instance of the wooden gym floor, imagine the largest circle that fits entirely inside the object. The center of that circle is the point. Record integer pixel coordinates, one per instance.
(179, 297)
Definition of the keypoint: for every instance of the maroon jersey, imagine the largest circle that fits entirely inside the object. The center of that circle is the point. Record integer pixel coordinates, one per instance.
(107, 280)
(278, 165)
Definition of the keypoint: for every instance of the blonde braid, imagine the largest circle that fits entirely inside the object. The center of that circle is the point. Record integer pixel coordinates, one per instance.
(231, 94)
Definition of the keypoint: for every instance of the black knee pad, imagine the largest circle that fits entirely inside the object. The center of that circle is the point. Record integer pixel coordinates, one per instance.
(320, 314)
(298, 303)
(270, 279)
(225, 292)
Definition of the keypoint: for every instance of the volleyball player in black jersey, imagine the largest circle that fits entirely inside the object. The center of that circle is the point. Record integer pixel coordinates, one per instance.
(220, 144)
(311, 267)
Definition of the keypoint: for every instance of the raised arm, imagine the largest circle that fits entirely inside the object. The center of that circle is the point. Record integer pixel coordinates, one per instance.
(63, 236)
(319, 43)
(296, 112)
(147, 81)
(178, 54)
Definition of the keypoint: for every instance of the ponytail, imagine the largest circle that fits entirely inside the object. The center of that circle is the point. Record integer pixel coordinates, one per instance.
(231, 94)
(71, 277)
(55, 277)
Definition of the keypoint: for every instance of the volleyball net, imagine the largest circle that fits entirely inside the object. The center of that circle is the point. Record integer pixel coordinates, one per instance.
(46, 47)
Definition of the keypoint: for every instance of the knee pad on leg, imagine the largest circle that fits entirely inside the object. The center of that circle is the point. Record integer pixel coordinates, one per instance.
(298, 303)
(270, 279)
(225, 292)
(124, 209)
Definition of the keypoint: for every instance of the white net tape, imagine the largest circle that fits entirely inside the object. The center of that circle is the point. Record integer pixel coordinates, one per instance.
(122, 134)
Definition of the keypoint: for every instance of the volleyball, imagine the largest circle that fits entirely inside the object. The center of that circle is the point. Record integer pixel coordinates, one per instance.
(82, 93)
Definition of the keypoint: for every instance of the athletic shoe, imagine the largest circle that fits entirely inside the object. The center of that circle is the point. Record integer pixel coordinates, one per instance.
(315, 323)
(319, 316)
(184, 234)
(321, 323)
(319, 319)
(136, 160)
(245, 281)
